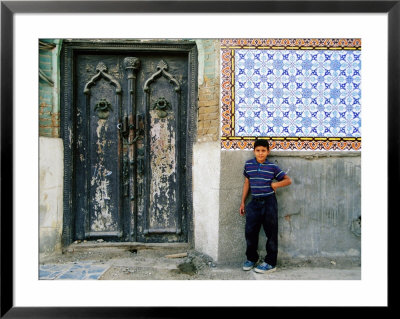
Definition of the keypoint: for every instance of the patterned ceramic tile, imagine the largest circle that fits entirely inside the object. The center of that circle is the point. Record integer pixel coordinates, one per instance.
(85, 270)
(301, 98)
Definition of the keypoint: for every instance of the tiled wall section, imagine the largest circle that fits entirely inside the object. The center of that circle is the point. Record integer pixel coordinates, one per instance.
(301, 94)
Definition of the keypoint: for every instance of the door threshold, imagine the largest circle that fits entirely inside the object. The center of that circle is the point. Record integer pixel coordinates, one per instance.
(81, 246)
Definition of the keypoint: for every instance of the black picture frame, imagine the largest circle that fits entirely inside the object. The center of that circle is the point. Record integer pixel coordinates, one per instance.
(9, 8)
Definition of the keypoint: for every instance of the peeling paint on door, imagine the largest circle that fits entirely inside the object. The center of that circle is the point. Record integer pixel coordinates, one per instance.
(102, 218)
(163, 172)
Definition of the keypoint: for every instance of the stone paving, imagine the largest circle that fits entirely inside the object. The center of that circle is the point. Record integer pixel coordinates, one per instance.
(85, 270)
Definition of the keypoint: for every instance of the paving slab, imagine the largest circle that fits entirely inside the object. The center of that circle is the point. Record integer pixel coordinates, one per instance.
(85, 270)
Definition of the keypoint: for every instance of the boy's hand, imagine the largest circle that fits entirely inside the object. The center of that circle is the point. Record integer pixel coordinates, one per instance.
(284, 182)
(241, 210)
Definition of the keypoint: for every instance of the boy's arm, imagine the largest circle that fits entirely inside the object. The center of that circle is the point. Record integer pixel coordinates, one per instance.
(246, 187)
(286, 181)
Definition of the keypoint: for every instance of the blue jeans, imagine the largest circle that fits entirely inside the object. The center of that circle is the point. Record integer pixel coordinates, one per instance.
(262, 211)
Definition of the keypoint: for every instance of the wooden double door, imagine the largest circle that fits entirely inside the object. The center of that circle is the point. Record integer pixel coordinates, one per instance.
(127, 137)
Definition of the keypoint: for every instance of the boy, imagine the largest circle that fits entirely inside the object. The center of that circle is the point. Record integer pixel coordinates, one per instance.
(263, 209)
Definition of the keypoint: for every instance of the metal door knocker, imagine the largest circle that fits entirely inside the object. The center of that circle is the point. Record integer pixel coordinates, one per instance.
(103, 108)
(161, 105)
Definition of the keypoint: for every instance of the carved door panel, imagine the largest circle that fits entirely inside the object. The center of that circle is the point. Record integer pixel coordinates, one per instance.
(99, 166)
(130, 146)
(161, 212)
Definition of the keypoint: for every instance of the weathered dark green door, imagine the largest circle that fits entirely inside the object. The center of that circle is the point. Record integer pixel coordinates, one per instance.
(130, 143)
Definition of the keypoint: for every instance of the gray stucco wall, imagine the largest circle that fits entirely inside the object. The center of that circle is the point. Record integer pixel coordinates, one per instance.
(319, 213)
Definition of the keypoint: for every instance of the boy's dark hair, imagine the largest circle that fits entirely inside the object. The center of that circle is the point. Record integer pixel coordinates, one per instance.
(260, 142)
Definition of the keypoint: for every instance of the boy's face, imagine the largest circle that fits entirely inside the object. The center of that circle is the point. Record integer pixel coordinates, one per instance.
(261, 153)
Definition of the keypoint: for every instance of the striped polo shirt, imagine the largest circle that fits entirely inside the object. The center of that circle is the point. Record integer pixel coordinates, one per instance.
(261, 175)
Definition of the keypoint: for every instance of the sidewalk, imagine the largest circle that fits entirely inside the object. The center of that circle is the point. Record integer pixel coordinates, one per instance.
(135, 261)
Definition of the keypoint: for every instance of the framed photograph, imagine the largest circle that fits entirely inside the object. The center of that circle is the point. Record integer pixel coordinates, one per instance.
(239, 28)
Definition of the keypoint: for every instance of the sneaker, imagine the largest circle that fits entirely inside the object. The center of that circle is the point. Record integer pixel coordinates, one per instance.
(264, 268)
(248, 265)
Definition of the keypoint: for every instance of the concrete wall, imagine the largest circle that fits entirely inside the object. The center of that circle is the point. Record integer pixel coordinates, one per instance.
(206, 197)
(319, 214)
(51, 173)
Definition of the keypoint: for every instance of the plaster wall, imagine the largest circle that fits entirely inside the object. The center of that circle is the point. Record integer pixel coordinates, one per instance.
(206, 197)
(51, 194)
(319, 213)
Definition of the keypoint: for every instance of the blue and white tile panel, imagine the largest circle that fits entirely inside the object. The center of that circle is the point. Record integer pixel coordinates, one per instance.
(297, 93)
